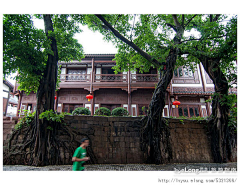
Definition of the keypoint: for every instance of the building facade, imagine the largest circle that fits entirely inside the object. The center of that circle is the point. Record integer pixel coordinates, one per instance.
(130, 90)
(9, 100)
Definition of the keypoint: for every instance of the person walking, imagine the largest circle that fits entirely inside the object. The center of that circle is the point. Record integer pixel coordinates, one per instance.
(79, 156)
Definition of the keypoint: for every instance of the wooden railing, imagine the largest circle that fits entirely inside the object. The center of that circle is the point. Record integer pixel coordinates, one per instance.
(110, 77)
(144, 77)
(75, 77)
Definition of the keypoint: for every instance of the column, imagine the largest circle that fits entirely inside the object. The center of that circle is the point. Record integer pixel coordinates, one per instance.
(129, 93)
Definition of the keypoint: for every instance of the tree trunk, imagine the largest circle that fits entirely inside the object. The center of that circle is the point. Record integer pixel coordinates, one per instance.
(45, 98)
(154, 128)
(155, 133)
(42, 143)
(222, 140)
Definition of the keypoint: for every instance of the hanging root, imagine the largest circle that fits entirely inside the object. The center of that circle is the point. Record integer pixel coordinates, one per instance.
(24, 147)
(156, 145)
(223, 141)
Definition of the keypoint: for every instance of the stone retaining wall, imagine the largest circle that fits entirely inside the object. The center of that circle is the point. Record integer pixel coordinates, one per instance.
(8, 125)
(116, 140)
(189, 142)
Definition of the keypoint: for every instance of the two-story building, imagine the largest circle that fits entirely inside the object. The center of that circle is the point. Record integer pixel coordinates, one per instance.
(130, 90)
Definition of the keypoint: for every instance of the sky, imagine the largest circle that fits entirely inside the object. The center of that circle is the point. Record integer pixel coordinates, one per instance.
(92, 42)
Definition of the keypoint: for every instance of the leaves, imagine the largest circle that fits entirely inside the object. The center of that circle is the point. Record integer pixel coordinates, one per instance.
(50, 115)
(25, 48)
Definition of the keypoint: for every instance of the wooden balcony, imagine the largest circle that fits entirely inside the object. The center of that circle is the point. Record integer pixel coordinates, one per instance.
(109, 78)
(96, 81)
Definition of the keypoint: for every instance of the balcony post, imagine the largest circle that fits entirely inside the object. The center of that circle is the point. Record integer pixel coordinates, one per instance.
(19, 102)
(92, 104)
(129, 92)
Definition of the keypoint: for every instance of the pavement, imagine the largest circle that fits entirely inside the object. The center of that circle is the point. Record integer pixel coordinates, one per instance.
(130, 167)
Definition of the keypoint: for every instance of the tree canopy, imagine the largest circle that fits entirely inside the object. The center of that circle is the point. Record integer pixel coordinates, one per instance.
(25, 48)
(144, 40)
(156, 40)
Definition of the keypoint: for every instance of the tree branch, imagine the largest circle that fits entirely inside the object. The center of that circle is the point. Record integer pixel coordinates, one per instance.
(122, 38)
(216, 18)
(204, 38)
(176, 20)
(171, 26)
(190, 20)
(183, 20)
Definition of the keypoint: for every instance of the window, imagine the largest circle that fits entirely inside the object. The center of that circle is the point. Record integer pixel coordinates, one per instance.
(185, 111)
(188, 111)
(107, 71)
(76, 74)
(70, 107)
(183, 72)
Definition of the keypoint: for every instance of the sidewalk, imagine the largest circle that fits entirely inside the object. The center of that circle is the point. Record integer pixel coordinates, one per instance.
(129, 167)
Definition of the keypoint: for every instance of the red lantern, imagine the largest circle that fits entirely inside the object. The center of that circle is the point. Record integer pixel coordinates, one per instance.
(55, 97)
(89, 97)
(176, 103)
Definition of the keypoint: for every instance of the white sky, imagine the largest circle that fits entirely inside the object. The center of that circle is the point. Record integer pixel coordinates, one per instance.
(92, 42)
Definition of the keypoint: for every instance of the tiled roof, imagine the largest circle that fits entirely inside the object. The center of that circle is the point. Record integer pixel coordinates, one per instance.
(198, 92)
(100, 55)
(7, 83)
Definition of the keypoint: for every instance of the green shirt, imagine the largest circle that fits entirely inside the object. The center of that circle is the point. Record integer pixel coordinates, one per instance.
(79, 153)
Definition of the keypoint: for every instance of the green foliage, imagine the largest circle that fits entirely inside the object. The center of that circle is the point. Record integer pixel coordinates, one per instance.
(120, 111)
(81, 111)
(58, 78)
(191, 118)
(103, 111)
(198, 118)
(50, 115)
(25, 119)
(181, 121)
(49, 128)
(26, 48)
(154, 35)
(231, 102)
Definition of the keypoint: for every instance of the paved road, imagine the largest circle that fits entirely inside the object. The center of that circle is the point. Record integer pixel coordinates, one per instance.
(130, 167)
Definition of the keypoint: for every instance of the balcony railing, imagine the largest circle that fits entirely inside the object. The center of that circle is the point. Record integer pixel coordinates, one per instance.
(75, 77)
(144, 77)
(109, 77)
